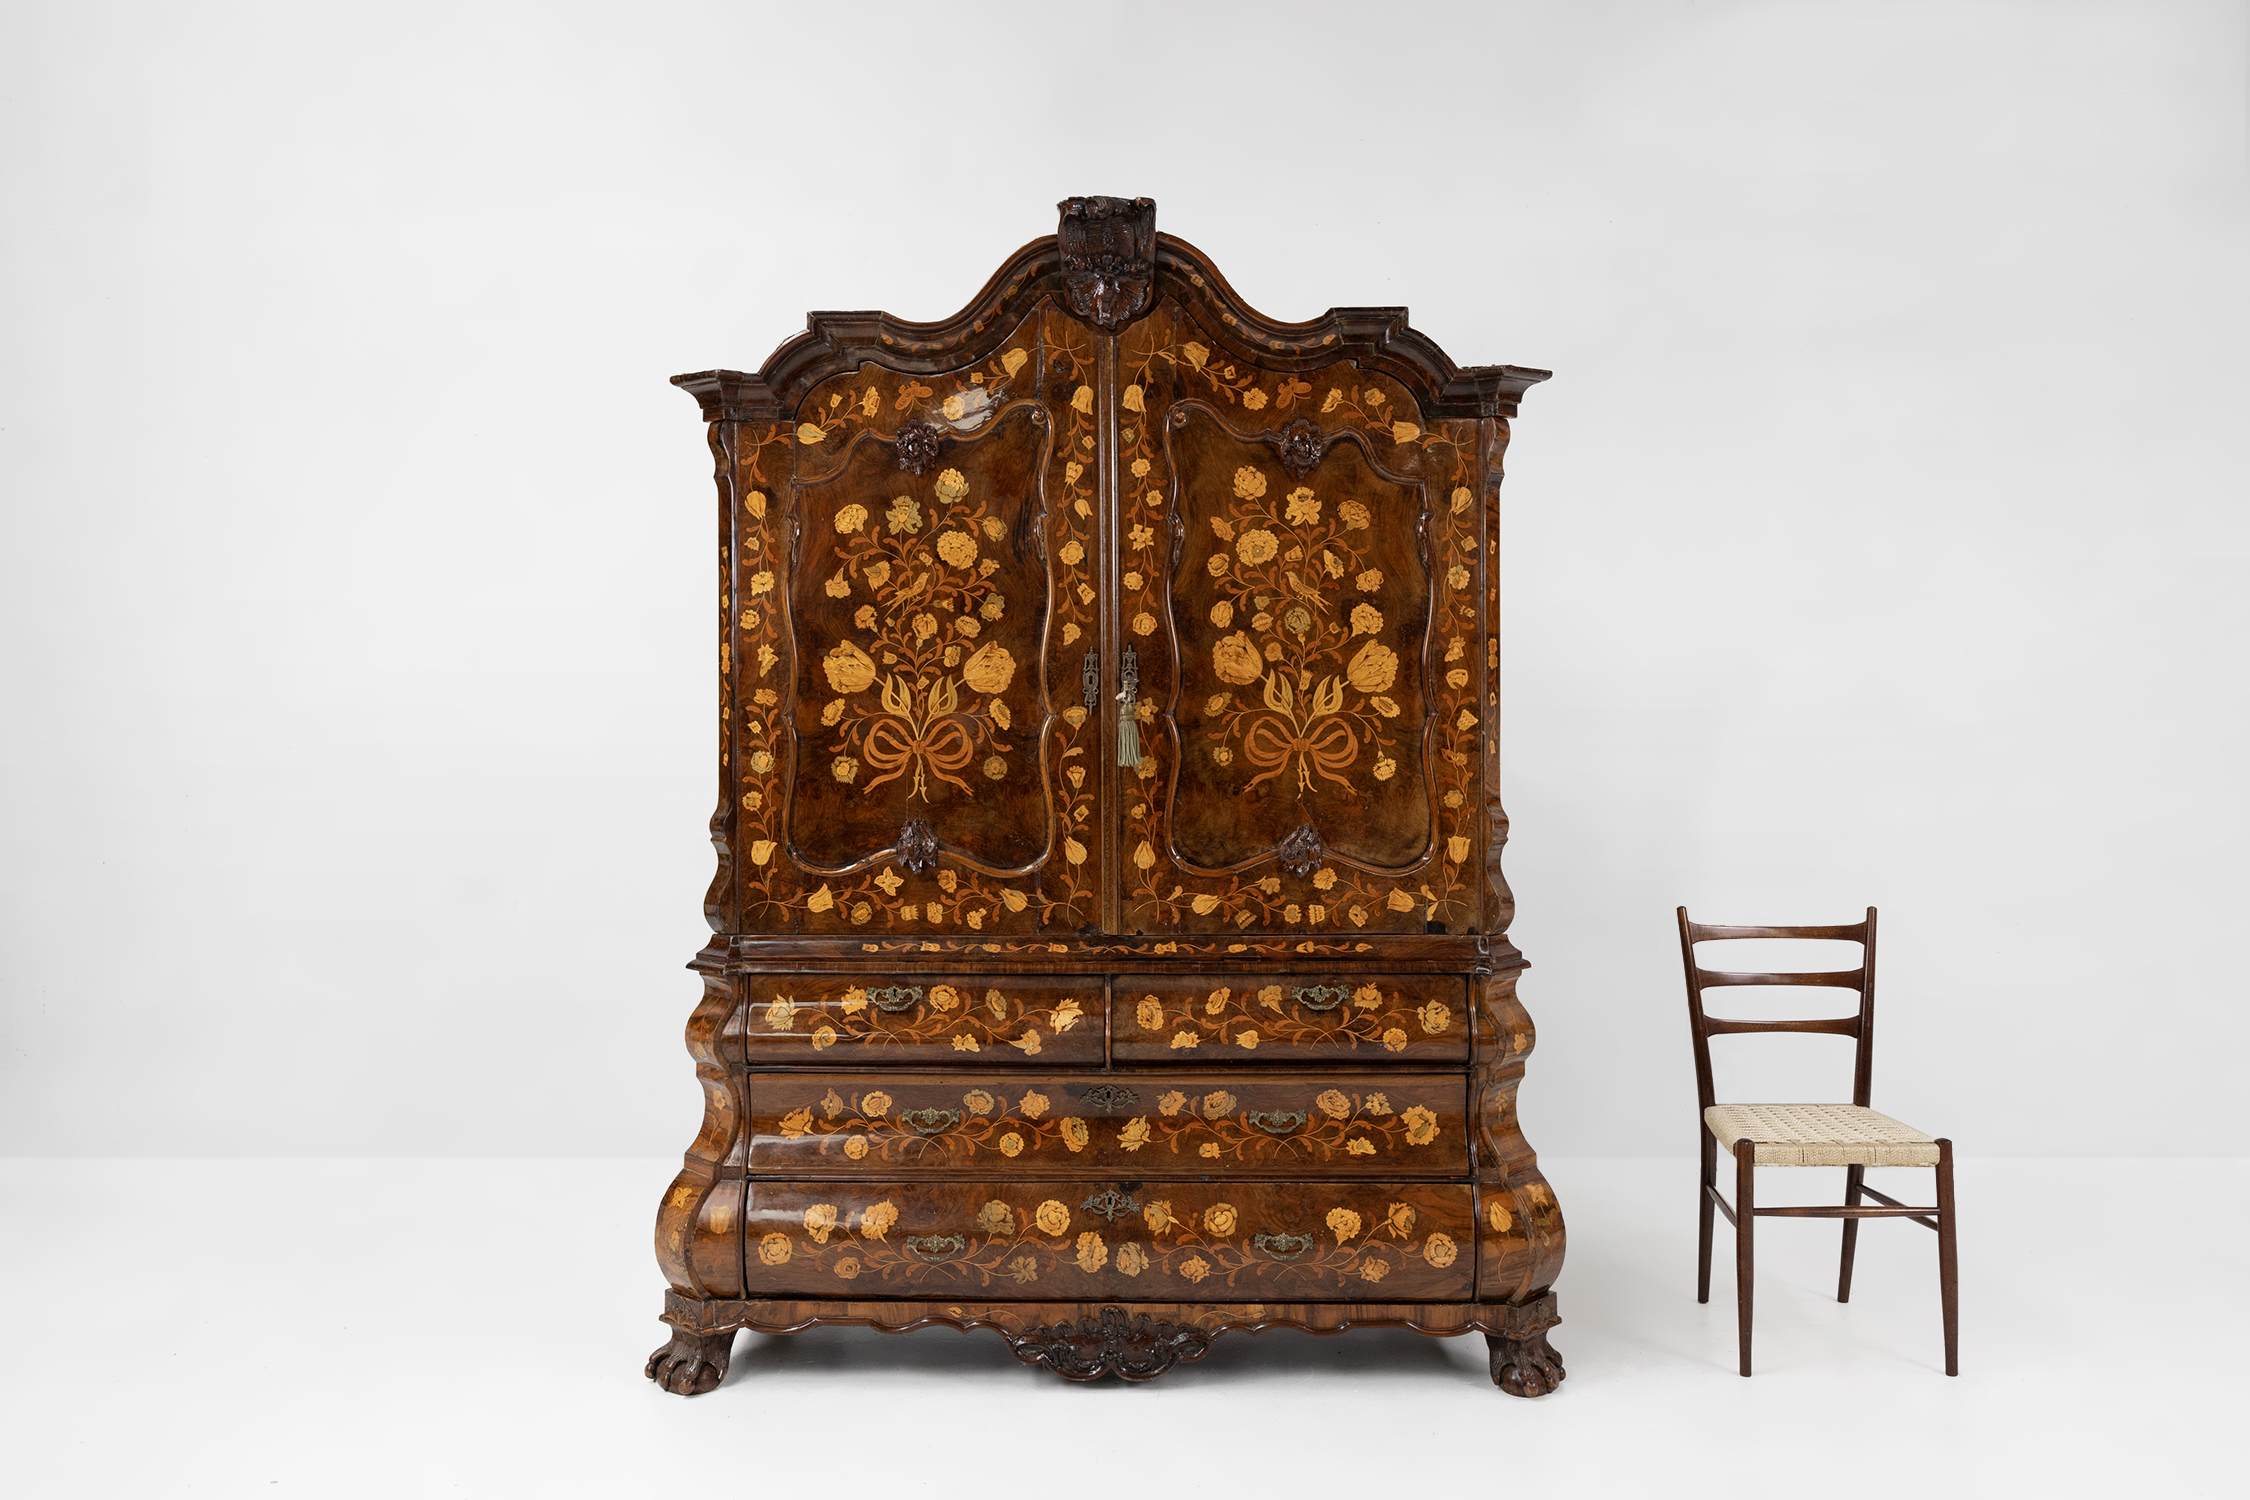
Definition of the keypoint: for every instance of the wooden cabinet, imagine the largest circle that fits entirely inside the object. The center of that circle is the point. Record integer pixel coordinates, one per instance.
(1109, 815)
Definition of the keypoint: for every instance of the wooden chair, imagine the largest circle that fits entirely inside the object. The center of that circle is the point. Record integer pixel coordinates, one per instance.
(1851, 1136)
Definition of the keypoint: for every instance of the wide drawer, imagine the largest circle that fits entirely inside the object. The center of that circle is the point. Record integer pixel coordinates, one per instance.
(1086, 1239)
(861, 1019)
(1168, 1018)
(1217, 1124)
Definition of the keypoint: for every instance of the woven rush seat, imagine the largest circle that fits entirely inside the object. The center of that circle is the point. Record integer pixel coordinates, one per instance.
(1821, 1135)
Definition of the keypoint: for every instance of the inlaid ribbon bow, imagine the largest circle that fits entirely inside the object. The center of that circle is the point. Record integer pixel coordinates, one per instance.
(1315, 741)
(936, 742)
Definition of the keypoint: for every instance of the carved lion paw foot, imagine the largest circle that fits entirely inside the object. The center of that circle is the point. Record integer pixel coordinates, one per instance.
(691, 1364)
(1525, 1367)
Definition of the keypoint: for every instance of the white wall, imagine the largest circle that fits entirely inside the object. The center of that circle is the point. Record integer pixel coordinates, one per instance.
(1879, 539)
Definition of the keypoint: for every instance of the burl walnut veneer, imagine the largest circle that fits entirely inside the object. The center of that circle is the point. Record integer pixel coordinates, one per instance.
(1110, 935)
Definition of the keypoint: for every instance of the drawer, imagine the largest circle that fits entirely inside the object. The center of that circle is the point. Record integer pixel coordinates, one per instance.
(1087, 1239)
(1245, 1018)
(863, 1019)
(1172, 1124)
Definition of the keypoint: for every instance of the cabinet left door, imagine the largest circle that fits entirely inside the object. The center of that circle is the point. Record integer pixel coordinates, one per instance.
(914, 597)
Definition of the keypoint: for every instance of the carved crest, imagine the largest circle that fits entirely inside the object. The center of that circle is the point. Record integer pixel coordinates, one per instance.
(917, 845)
(1108, 257)
(917, 446)
(1131, 1347)
(1302, 852)
(1301, 444)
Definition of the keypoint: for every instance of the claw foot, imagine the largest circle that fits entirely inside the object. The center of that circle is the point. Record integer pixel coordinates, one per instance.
(692, 1363)
(1526, 1366)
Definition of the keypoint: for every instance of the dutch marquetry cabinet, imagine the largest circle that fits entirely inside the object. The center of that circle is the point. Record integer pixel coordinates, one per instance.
(1110, 935)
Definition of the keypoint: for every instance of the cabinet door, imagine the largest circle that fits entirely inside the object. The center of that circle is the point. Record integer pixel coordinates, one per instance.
(939, 768)
(1301, 581)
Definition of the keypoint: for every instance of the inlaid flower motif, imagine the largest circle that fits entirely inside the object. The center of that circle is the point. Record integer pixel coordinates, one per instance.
(819, 1220)
(797, 1122)
(773, 1249)
(782, 1014)
(925, 626)
(1171, 1102)
(1366, 620)
(1159, 1215)
(996, 1218)
(905, 515)
(1032, 1105)
(951, 486)
(876, 1220)
(1457, 576)
(1208, 1149)
(1334, 1103)
(1377, 1104)
(1052, 1217)
(1235, 658)
(1011, 1144)
(849, 669)
(1067, 1014)
(878, 574)
(1398, 1219)
(1131, 399)
(944, 997)
(844, 769)
(1439, 1250)
(979, 1101)
(962, 1042)
(824, 1038)
(1217, 566)
(1218, 1104)
(1374, 1268)
(1298, 618)
(1195, 1268)
(1219, 1219)
(1092, 1253)
(761, 761)
(1255, 547)
(1388, 710)
(832, 1104)
(848, 1267)
(889, 881)
(1435, 1017)
(1249, 484)
(1082, 401)
(1385, 768)
(1074, 1134)
(876, 1105)
(1375, 666)
(1270, 996)
(1497, 1215)
(855, 1146)
(1134, 1135)
(1222, 614)
(957, 548)
(1144, 623)
(1132, 1259)
(1359, 1146)
(850, 519)
(1394, 1040)
(1246, 1039)
(1456, 849)
(1149, 1013)
(995, 528)
(1404, 432)
(990, 669)
(839, 587)
(1304, 506)
(833, 712)
(1182, 1040)
(1343, 1223)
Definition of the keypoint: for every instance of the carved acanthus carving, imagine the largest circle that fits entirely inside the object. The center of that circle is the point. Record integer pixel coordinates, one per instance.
(1108, 257)
(917, 845)
(917, 446)
(1130, 1347)
(1301, 444)
(1302, 852)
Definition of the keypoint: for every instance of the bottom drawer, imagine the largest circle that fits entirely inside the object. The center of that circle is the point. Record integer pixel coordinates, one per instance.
(1087, 1240)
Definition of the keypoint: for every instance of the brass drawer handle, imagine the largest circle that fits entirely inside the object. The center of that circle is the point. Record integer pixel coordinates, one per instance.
(1276, 1121)
(1108, 1096)
(898, 997)
(930, 1121)
(1321, 996)
(1282, 1246)
(936, 1247)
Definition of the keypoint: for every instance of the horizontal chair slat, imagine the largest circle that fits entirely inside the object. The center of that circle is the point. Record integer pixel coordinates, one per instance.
(1700, 932)
(1846, 979)
(1827, 1026)
(1818, 1211)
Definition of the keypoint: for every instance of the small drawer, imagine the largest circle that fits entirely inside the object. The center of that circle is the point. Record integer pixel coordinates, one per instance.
(1245, 1018)
(860, 1020)
(1089, 1239)
(1175, 1124)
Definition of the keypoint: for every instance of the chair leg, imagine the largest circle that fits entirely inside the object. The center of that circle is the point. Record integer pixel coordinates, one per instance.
(1745, 1208)
(1853, 1177)
(1949, 1265)
(1709, 1179)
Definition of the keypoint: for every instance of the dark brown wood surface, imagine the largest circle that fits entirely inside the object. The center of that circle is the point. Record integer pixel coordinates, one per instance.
(915, 1018)
(1193, 1124)
(1202, 1019)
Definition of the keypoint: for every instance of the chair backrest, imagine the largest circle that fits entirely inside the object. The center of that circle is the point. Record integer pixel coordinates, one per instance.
(1860, 1027)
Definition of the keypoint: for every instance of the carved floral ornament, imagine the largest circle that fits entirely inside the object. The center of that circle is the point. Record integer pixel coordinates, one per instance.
(1108, 250)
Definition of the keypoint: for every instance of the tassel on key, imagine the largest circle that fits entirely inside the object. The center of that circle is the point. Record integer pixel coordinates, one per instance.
(1128, 725)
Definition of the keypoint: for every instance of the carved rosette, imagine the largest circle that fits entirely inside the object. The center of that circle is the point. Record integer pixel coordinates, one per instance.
(1300, 446)
(1108, 248)
(1135, 1347)
(1301, 852)
(917, 446)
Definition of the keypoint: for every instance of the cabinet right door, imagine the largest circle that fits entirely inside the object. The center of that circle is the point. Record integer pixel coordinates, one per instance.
(1301, 574)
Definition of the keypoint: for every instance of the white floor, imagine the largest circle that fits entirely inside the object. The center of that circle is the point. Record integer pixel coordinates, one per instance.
(402, 1328)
